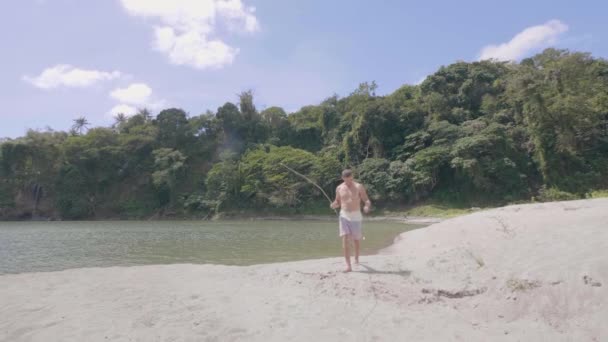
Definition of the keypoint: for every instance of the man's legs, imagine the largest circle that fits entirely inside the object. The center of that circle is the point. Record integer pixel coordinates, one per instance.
(356, 250)
(346, 247)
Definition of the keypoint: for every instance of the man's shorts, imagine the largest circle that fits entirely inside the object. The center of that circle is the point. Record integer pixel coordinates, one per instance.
(351, 226)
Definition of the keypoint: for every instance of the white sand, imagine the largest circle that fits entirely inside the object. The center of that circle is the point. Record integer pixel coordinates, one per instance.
(522, 273)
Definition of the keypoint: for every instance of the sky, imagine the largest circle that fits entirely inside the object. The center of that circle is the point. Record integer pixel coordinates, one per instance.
(63, 59)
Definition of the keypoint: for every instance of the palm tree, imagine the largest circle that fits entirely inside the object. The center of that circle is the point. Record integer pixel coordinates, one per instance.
(120, 119)
(80, 124)
(145, 113)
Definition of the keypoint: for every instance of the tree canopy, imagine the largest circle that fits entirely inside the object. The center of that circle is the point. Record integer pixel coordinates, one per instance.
(470, 132)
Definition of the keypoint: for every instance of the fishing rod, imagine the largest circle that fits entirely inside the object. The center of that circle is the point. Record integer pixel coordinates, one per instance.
(311, 182)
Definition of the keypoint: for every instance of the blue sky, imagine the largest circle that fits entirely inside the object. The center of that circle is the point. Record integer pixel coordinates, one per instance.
(67, 58)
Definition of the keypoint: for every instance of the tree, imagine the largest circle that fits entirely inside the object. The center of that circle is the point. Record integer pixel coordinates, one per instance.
(80, 124)
(559, 97)
(119, 120)
(267, 182)
(145, 114)
(173, 130)
(169, 168)
(72, 199)
(223, 184)
(255, 129)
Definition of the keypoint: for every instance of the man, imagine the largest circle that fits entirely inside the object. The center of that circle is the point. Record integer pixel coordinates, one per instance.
(349, 196)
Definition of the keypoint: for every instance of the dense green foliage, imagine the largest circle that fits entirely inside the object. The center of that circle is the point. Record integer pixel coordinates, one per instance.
(482, 132)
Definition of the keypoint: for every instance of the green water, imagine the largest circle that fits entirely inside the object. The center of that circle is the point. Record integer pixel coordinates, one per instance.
(52, 246)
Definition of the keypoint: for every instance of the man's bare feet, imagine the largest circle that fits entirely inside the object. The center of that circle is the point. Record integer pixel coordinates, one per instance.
(357, 261)
(348, 270)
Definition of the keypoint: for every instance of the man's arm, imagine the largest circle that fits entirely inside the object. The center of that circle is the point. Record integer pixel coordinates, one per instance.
(365, 199)
(336, 203)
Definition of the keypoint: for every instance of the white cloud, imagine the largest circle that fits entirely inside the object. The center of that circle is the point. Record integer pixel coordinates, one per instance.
(239, 17)
(192, 48)
(122, 109)
(69, 76)
(187, 27)
(530, 39)
(136, 94)
(133, 98)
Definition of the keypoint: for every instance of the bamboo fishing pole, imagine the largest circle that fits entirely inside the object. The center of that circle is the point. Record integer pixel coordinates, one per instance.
(311, 182)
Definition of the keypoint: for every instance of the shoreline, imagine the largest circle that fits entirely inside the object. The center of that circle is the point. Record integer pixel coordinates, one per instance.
(380, 218)
(398, 219)
(522, 272)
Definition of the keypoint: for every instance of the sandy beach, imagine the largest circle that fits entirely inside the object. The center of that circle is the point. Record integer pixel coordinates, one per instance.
(536, 272)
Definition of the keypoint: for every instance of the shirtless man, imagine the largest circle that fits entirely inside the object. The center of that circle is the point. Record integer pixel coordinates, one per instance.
(349, 196)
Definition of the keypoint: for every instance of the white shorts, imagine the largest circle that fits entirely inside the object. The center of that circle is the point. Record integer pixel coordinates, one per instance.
(350, 224)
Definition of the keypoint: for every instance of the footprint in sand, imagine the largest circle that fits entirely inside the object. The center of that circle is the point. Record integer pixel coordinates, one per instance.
(589, 281)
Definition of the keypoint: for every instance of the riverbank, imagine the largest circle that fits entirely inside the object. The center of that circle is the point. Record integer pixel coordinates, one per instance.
(420, 213)
(378, 218)
(526, 272)
(385, 217)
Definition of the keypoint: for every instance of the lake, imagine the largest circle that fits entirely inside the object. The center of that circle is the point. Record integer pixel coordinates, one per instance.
(53, 246)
